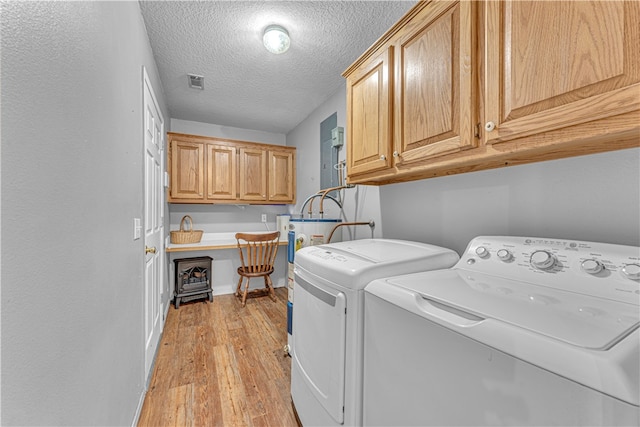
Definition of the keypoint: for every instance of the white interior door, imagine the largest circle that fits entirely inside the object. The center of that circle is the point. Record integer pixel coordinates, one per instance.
(153, 222)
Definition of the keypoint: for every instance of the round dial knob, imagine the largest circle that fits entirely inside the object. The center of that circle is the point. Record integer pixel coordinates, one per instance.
(543, 260)
(482, 252)
(592, 266)
(504, 255)
(631, 271)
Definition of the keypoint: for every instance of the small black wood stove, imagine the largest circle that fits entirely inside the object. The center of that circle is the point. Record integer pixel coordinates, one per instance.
(193, 279)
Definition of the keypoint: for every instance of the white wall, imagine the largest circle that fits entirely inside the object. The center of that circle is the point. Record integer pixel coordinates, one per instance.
(228, 218)
(593, 198)
(72, 182)
(361, 203)
(209, 129)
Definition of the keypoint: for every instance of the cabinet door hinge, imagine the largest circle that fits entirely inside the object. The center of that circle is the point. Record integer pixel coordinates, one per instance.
(476, 130)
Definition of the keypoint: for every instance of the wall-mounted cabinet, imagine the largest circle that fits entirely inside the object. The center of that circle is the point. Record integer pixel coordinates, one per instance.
(282, 183)
(213, 170)
(186, 163)
(459, 86)
(222, 172)
(369, 130)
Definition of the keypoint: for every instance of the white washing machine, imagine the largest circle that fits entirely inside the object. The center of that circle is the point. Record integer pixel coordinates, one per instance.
(521, 331)
(326, 366)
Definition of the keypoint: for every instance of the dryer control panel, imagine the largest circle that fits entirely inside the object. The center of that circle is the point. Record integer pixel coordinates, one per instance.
(598, 269)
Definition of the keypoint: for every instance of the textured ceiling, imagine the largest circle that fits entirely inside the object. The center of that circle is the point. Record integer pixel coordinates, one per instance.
(246, 86)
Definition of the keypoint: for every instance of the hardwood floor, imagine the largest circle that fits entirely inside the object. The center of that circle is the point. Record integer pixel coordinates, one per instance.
(220, 364)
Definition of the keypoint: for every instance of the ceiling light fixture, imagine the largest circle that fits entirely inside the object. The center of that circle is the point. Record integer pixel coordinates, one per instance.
(276, 39)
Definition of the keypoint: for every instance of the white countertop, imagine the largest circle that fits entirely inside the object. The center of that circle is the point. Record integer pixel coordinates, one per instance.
(215, 241)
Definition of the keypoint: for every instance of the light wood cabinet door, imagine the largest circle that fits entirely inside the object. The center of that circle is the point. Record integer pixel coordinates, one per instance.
(253, 174)
(221, 172)
(434, 107)
(187, 170)
(282, 176)
(369, 115)
(552, 65)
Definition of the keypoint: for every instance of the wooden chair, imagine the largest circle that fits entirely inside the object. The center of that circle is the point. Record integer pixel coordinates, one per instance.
(257, 255)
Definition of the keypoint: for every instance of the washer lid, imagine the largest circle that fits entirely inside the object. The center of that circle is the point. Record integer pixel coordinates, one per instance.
(580, 320)
(353, 264)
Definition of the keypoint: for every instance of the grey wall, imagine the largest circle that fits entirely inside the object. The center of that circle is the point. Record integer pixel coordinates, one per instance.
(593, 198)
(72, 182)
(209, 129)
(359, 204)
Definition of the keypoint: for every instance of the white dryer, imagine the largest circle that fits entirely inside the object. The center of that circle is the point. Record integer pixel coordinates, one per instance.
(326, 368)
(522, 331)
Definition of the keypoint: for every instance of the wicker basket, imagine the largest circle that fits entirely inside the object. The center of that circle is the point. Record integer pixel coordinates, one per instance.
(186, 236)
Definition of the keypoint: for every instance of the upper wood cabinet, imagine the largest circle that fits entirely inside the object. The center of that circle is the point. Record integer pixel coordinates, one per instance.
(412, 98)
(484, 84)
(434, 96)
(369, 114)
(213, 170)
(282, 185)
(222, 172)
(253, 174)
(187, 169)
(552, 65)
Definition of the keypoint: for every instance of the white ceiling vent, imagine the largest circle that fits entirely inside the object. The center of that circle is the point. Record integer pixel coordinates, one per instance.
(195, 81)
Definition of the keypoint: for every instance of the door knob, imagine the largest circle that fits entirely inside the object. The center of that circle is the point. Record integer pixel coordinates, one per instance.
(148, 250)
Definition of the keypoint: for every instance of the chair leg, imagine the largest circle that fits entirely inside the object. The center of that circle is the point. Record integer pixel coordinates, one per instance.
(246, 291)
(269, 285)
(238, 287)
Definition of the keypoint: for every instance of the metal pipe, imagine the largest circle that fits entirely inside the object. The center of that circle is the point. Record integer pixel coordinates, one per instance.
(311, 203)
(313, 196)
(371, 224)
(328, 190)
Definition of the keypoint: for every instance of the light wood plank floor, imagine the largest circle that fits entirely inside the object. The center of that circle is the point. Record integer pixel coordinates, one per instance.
(222, 365)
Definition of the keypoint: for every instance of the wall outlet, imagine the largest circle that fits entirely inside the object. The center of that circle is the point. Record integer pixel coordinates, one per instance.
(264, 218)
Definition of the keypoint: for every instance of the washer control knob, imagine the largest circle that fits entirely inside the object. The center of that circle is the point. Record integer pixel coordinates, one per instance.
(504, 255)
(592, 266)
(631, 271)
(482, 252)
(542, 260)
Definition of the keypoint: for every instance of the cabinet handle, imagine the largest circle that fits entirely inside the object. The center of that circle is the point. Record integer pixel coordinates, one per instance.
(383, 157)
(489, 126)
(396, 154)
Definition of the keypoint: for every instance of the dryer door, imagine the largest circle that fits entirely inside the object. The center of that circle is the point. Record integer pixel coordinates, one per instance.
(319, 332)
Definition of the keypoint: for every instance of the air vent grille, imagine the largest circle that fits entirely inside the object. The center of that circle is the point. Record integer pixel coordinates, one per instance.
(196, 81)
